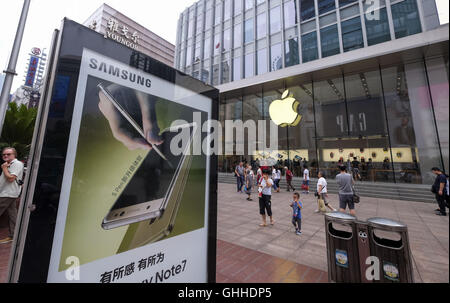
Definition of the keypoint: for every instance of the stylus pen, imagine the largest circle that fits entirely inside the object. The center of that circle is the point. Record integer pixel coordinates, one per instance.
(129, 119)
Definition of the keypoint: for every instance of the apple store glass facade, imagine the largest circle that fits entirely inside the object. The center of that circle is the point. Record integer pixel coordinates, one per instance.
(220, 41)
(393, 120)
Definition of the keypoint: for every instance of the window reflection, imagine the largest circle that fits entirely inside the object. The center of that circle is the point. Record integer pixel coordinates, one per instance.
(329, 40)
(307, 9)
(276, 59)
(275, 23)
(406, 18)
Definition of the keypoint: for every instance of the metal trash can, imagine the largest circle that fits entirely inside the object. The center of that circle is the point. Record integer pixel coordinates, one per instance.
(342, 248)
(362, 230)
(389, 242)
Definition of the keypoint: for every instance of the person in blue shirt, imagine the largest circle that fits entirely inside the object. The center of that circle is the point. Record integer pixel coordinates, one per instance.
(297, 207)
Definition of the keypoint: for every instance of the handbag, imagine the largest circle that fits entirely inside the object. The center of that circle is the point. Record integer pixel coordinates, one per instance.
(356, 197)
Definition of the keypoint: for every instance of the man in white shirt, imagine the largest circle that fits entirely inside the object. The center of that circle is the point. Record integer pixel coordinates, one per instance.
(322, 191)
(306, 180)
(10, 187)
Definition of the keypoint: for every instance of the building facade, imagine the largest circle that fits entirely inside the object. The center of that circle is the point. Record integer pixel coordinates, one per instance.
(372, 81)
(115, 25)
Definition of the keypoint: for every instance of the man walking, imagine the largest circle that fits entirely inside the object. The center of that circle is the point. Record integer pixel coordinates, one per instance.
(289, 177)
(240, 177)
(440, 190)
(12, 172)
(345, 182)
(322, 191)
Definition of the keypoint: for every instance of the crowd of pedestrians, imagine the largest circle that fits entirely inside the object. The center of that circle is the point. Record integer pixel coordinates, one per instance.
(267, 181)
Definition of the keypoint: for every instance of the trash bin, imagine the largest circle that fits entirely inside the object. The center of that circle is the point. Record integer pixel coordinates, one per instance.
(362, 230)
(389, 242)
(342, 248)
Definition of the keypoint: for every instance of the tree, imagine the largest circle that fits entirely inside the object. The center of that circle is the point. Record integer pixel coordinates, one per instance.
(18, 128)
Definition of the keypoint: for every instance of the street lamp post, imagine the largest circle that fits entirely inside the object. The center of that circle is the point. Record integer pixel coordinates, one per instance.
(11, 70)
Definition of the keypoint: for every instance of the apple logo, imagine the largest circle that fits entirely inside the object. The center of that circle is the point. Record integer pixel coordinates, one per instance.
(284, 112)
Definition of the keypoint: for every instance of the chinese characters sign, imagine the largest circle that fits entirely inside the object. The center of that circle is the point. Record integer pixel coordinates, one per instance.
(32, 69)
(122, 34)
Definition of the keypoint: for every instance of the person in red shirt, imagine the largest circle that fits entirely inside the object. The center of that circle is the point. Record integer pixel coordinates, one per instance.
(289, 176)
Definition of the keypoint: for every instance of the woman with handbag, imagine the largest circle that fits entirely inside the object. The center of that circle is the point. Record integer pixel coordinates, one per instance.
(322, 194)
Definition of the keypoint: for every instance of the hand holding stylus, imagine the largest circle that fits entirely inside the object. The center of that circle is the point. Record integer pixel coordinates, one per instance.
(121, 134)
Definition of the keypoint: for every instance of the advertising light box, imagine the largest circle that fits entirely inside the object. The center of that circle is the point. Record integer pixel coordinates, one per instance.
(120, 191)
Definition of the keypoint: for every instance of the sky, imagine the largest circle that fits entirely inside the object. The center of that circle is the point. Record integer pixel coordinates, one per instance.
(161, 17)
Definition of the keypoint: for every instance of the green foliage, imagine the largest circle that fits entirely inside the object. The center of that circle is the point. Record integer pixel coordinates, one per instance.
(18, 129)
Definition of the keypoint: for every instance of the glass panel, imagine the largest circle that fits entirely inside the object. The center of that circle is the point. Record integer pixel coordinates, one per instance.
(197, 52)
(189, 56)
(326, 6)
(238, 35)
(350, 12)
(248, 4)
(308, 26)
(237, 7)
(237, 75)
(301, 138)
(183, 59)
(232, 111)
(227, 10)
(199, 23)
(218, 14)
(258, 2)
(208, 19)
(207, 48)
(352, 37)
(345, 2)
(261, 23)
(406, 18)
(411, 124)
(307, 9)
(275, 23)
(367, 147)
(252, 111)
(205, 74)
(276, 60)
(292, 55)
(271, 95)
(262, 61)
(290, 14)
(378, 30)
(309, 47)
(191, 28)
(227, 40)
(249, 32)
(249, 65)
(331, 115)
(216, 74)
(438, 75)
(327, 19)
(329, 41)
(225, 72)
(217, 44)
